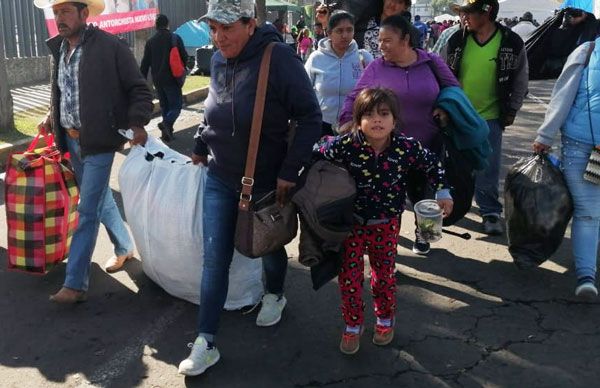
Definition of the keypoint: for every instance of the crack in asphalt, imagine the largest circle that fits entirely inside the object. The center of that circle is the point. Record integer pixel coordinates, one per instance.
(314, 383)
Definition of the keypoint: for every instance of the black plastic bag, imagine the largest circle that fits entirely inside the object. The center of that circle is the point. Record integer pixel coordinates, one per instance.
(538, 209)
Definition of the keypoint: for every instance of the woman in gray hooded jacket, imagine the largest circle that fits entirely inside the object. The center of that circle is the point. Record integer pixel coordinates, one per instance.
(335, 68)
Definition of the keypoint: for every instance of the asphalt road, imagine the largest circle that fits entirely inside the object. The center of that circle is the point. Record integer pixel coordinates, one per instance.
(467, 317)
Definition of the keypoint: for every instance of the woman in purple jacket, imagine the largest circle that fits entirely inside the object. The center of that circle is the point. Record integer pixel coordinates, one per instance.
(416, 78)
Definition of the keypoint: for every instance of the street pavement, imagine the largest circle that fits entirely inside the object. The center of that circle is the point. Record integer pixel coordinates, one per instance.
(467, 317)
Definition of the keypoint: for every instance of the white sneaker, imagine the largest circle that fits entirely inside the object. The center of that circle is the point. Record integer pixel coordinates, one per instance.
(200, 359)
(270, 311)
(586, 290)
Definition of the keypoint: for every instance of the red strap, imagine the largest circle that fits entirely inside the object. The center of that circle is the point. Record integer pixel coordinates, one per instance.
(65, 192)
(48, 137)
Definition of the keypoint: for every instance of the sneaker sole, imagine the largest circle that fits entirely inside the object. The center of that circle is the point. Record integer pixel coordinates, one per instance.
(200, 371)
(384, 343)
(587, 294)
(269, 324)
(419, 252)
(352, 352)
(493, 231)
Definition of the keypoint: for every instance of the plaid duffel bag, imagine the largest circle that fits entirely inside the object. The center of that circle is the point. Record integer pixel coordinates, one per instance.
(41, 197)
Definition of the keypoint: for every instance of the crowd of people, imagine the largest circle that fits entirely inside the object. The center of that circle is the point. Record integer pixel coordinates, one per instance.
(368, 102)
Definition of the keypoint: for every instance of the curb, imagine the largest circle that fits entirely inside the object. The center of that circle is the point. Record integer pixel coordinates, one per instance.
(6, 149)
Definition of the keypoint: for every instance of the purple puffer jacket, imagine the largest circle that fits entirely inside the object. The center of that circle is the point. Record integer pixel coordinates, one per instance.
(416, 88)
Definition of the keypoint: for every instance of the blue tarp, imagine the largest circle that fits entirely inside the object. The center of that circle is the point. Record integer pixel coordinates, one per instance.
(194, 34)
(586, 5)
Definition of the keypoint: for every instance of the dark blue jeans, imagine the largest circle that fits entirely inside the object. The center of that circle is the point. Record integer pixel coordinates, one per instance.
(487, 181)
(220, 209)
(171, 102)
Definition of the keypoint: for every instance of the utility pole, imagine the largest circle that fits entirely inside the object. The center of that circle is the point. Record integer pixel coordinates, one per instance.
(261, 11)
(7, 119)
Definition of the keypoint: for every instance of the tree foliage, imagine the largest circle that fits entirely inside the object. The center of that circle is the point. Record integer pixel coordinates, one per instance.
(441, 6)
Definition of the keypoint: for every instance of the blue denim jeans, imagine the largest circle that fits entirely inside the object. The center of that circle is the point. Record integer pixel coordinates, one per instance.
(171, 101)
(96, 204)
(585, 230)
(486, 181)
(220, 208)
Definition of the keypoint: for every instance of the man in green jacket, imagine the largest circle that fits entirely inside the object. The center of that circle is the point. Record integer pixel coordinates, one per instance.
(490, 62)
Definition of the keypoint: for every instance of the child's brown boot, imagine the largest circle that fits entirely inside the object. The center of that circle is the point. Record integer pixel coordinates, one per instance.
(383, 335)
(350, 342)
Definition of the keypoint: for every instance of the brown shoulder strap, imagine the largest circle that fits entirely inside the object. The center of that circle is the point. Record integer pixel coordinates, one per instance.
(257, 118)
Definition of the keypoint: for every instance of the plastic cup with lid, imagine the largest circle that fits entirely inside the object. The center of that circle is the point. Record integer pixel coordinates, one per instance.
(429, 219)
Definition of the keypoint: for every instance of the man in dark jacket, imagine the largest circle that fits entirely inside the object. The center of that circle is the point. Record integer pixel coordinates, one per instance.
(490, 62)
(168, 88)
(92, 98)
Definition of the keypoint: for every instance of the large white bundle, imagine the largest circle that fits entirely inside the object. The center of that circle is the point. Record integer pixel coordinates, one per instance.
(163, 204)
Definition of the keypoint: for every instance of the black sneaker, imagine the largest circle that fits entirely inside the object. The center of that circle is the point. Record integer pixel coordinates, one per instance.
(492, 225)
(166, 136)
(420, 246)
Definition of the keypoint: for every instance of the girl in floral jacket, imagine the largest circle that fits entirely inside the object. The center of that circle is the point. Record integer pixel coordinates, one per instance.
(379, 161)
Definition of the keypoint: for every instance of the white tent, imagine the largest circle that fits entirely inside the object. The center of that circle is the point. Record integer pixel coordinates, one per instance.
(445, 16)
(541, 9)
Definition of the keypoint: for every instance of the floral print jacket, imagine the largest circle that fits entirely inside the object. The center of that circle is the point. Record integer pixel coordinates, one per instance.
(381, 180)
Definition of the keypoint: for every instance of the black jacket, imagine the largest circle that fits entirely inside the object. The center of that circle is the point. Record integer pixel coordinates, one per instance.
(229, 107)
(112, 93)
(156, 57)
(512, 70)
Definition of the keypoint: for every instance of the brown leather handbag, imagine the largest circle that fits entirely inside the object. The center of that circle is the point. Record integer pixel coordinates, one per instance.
(262, 225)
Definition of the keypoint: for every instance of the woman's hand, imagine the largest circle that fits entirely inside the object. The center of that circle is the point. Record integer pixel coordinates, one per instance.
(140, 136)
(540, 148)
(45, 126)
(441, 117)
(282, 194)
(446, 205)
(200, 159)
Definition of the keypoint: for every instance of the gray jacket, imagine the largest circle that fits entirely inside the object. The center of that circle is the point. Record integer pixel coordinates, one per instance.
(563, 95)
(325, 201)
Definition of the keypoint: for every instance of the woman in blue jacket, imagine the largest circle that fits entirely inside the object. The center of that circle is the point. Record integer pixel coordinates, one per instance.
(575, 110)
(335, 67)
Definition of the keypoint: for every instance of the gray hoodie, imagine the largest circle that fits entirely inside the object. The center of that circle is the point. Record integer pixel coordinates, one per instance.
(333, 77)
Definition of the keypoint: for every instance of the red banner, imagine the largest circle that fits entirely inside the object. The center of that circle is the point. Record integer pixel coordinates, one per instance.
(115, 23)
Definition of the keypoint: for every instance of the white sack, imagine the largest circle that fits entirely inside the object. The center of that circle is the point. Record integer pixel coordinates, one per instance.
(163, 206)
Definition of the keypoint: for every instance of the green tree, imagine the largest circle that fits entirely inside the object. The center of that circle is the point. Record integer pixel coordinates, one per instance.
(7, 119)
(441, 6)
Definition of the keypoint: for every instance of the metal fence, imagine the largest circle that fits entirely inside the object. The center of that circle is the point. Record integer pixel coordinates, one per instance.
(181, 11)
(24, 29)
(24, 26)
